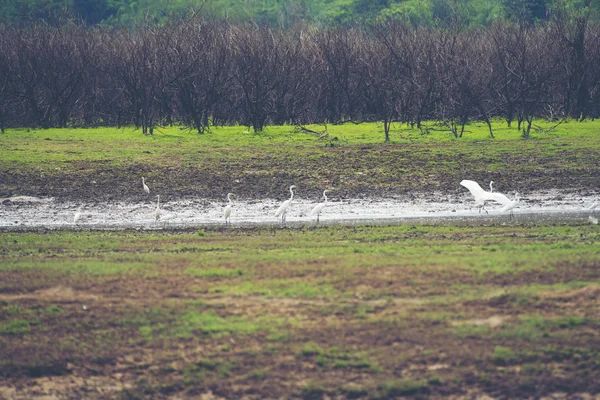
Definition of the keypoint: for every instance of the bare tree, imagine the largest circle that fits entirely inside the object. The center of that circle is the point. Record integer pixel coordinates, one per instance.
(256, 63)
(202, 64)
(138, 65)
(200, 73)
(392, 80)
(575, 61)
(339, 51)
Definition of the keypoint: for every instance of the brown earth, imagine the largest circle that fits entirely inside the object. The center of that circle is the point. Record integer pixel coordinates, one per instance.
(355, 172)
(423, 350)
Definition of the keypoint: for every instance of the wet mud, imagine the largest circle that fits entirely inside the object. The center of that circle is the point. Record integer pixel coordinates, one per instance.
(27, 212)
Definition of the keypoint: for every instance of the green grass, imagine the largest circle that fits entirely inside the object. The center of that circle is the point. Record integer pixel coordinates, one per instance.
(363, 311)
(209, 165)
(211, 324)
(215, 272)
(280, 288)
(503, 355)
(401, 387)
(110, 144)
(264, 308)
(15, 327)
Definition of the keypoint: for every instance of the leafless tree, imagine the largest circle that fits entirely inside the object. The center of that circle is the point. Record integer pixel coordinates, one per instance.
(202, 73)
(202, 62)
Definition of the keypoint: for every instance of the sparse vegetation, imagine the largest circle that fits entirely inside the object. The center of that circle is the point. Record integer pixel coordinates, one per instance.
(372, 324)
(99, 163)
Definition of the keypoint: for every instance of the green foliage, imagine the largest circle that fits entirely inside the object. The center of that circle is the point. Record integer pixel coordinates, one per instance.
(466, 331)
(15, 327)
(285, 14)
(212, 324)
(534, 328)
(503, 355)
(53, 311)
(401, 387)
(335, 358)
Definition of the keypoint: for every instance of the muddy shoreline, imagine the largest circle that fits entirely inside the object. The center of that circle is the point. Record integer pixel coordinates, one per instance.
(32, 213)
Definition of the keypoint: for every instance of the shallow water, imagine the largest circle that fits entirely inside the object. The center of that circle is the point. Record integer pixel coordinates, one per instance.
(23, 212)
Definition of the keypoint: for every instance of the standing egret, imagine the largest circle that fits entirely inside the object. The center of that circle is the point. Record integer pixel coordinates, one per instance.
(319, 207)
(146, 188)
(227, 213)
(77, 214)
(282, 210)
(511, 205)
(590, 209)
(157, 212)
(481, 196)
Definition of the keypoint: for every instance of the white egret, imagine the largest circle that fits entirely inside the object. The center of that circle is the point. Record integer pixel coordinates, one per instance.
(77, 214)
(319, 207)
(481, 196)
(282, 210)
(511, 205)
(157, 212)
(146, 188)
(590, 209)
(227, 212)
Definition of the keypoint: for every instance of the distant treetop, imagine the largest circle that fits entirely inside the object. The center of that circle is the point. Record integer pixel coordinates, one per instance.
(279, 13)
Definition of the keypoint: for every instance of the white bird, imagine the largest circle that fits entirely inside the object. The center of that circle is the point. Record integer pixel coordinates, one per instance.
(227, 212)
(282, 210)
(77, 214)
(157, 212)
(481, 196)
(319, 207)
(146, 188)
(511, 205)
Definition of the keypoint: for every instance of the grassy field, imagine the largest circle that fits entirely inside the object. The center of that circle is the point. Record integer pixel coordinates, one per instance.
(371, 312)
(108, 163)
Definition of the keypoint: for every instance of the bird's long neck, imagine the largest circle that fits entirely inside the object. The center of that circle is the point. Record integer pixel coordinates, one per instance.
(325, 195)
(292, 192)
(143, 181)
(157, 202)
(229, 198)
(491, 187)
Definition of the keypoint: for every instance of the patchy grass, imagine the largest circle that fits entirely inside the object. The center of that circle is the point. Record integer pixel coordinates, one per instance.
(358, 312)
(15, 327)
(100, 162)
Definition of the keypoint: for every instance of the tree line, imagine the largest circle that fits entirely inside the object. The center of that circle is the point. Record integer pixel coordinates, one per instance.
(277, 13)
(200, 74)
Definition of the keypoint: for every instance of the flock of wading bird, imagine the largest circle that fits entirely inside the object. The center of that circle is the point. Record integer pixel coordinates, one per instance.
(481, 197)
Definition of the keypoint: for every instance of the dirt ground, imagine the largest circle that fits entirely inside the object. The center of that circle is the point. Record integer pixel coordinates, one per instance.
(329, 352)
(355, 172)
(109, 337)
